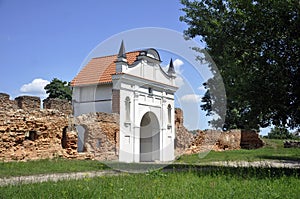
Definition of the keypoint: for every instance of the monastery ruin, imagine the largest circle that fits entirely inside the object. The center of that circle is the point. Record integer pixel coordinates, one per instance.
(29, 133)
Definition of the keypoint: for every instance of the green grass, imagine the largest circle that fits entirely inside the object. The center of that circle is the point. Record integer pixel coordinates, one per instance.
(205, 182)
(57, 165)
(273, 150)
(181, 181)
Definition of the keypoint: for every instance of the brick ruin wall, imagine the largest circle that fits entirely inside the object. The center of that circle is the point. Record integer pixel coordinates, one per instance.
(30, 103)
(6, 104)
(28, 132)
(58, 104)
(102, 132)
(183, 137)
(224, 140)
(203, 141)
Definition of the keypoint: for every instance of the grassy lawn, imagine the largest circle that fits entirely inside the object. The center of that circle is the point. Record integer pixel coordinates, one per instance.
(273, 150)
(214, 182)
(182, 181)
(48, 166)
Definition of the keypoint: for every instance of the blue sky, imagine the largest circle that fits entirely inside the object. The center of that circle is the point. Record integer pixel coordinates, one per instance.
(41, 40)
(47, 39)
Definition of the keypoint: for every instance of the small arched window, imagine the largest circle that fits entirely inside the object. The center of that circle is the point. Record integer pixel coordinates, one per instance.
(150, 91)
(127, 109)
(169, 114)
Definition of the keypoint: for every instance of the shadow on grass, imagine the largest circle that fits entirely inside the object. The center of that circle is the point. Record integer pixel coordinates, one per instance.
(278, 157)
(210, 170)
(242, 172)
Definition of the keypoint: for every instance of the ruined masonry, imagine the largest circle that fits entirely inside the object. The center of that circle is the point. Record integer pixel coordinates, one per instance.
(28, 133)
(203, 141)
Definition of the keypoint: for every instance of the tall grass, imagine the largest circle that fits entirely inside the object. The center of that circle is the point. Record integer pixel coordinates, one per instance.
(208, 182)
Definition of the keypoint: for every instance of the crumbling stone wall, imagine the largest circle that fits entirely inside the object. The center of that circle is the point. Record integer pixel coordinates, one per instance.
(101, 134)
(216, 140)
(28, 102)
(224, 140)
(183, 138)
(250, 140)
(62, 105)
(27, 132)
(6, 103)
(35, 134)
(34, 103)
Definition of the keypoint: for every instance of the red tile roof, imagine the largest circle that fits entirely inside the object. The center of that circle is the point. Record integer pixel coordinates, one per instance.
(100, 69)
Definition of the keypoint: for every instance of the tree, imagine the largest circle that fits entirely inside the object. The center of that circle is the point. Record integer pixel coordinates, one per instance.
(280, 133)
(59, 89)
(256, 46)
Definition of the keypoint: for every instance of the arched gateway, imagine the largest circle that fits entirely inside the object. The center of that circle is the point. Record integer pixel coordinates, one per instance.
(136, 87)
(149, 138)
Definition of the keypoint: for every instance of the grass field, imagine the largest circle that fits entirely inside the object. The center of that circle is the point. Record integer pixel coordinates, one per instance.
(208, 182)
(273, 150)
(191, 180)
(48, 166)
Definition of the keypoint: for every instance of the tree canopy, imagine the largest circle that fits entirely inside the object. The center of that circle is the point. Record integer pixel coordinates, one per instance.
(280, 133)
(59, 89)
(256, 47)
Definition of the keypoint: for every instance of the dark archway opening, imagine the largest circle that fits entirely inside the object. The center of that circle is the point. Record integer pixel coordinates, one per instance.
(64, 138)
(149, 138)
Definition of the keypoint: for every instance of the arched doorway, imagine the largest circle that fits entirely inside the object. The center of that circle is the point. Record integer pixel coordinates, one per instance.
(149, 138)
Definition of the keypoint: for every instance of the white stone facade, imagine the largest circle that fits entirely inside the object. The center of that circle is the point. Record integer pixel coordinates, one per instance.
(143, 94)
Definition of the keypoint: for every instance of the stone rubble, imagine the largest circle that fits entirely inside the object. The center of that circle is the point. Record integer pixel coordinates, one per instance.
(203, 141)
(224, 140)
(291, 144)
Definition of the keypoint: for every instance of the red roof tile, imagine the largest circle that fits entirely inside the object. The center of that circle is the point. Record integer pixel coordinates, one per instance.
(100, 70)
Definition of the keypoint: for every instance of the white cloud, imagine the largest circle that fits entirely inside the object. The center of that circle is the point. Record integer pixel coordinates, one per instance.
(36, 87)
(177, 63)
(191, 98)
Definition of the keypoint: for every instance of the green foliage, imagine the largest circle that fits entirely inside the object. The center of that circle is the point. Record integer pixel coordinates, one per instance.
(59, 89)
(256, 47)
(280, 133)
